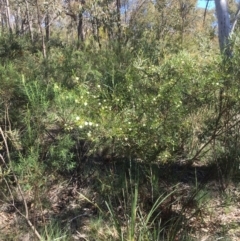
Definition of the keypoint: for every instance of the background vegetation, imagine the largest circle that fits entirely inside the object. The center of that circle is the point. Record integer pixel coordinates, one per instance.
(119, 104)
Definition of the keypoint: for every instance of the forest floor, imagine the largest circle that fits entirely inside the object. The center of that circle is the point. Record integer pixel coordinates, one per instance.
(212, 213)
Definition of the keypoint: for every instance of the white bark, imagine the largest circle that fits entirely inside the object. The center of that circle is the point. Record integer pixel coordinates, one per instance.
(8, 16)
(235, 20)
(223, 25)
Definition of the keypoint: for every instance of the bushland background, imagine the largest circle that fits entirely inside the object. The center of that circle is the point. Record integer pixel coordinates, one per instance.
(119, 120)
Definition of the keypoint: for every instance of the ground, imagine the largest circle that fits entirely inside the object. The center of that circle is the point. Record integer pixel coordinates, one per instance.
(209, 212)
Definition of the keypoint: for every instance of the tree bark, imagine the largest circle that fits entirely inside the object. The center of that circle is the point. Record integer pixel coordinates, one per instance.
(47, 27)
(41, 31)
(17, 20)
(8, 13)
(118, 3)
(80, 29)
(223, 25)
(29, 21)
(235, 20)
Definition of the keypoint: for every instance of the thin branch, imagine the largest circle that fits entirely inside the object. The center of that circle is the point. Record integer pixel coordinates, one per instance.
(235, 21)
(216, 132)
(205, 12)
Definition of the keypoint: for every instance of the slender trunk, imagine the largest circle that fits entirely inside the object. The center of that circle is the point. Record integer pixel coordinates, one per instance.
(8, 13)
(98, 36)
(17, 20)
(118, 3)
(95, 31)
(80, 29)
(3, 16)
(29, 21)
(223, 25)
(235, 20)
(41, 32)
(95, 28)
(224, 29)
(2, 23)
(182, 7)
(47, 27)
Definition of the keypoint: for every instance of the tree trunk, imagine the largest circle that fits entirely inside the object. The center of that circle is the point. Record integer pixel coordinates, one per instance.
(223, 25)
(118, 3)
(29, 21)
(8, 13)
(47, 27)
(17, 20)
(97, 33)
(41, 32)
(3, 21)
(80, 29)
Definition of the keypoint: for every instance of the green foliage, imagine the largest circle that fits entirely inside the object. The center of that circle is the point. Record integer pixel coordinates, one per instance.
(138, 106)
(134, 105)
(60, 155)
(11, 48)
(54, 232)
(141, 103)
(141, 225)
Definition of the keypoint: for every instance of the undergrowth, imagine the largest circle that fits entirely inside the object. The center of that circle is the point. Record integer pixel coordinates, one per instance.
(108, 121)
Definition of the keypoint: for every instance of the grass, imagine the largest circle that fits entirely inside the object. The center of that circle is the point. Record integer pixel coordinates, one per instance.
(173, 212)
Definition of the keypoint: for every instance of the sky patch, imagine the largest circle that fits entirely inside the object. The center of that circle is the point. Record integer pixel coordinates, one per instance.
(203, 3)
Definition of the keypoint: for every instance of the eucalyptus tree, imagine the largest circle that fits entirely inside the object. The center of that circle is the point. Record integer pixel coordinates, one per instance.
(27, 20)
(46, 13)
(6, 16)
(75, 10)
(8, 12)
(167, 23)
(17, 17)
(225, 26)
